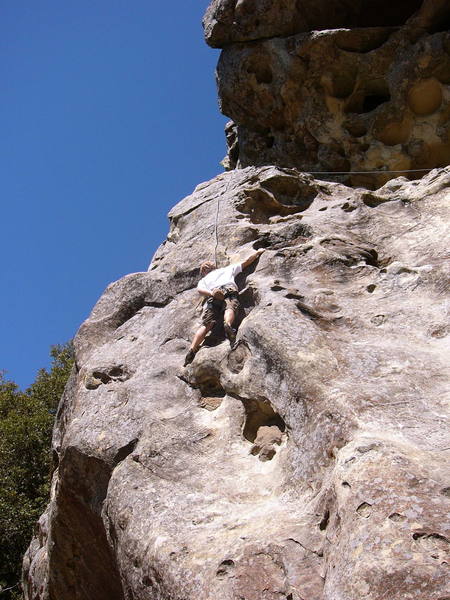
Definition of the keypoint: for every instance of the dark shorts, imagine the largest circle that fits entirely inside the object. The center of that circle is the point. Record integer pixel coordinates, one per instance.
(214, 309)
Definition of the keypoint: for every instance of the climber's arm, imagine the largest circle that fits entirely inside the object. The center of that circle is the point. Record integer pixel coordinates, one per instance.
(204, 292)
(248, 261)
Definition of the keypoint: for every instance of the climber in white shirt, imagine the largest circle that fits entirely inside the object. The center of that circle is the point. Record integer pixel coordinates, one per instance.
(220, 289)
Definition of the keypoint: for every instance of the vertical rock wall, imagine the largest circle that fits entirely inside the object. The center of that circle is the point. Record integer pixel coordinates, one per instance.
(309, 461)
(170, 482)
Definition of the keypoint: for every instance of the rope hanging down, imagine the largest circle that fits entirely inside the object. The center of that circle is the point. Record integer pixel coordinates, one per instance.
(217, 215)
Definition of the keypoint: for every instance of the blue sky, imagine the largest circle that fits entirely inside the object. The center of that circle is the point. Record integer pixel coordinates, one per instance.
(109, 117)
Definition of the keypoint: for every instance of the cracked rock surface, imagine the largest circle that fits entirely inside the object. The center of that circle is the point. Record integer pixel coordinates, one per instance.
(339, 376)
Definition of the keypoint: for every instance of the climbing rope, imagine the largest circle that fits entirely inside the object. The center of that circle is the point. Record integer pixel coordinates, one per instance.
(9, 588)
(366, 172)
(230, 180)
(216, 227)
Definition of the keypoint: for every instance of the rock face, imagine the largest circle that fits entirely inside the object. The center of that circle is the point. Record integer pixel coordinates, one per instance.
(310, 462)
(229, 21)
(374, 97)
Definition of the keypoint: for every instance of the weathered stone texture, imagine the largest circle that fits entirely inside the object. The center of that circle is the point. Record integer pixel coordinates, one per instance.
(230, 21)
(339, 377)
(369, 98)
(309, 461)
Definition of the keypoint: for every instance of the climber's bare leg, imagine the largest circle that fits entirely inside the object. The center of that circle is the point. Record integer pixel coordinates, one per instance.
(228, 317)
(202, 332)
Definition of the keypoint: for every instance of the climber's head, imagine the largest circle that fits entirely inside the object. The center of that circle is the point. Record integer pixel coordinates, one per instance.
(207, 267)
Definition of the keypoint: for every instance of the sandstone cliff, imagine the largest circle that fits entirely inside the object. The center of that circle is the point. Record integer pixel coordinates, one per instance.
(374, 97)
(309, 462)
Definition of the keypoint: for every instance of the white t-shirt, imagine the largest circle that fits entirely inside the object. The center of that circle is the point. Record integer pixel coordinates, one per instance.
(220, 277)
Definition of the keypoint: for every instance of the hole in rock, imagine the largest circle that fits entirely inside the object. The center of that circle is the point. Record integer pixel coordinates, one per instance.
(212, 388)
(260, 205)
(430, 536)
(291, 235)
(346, 207)
(267, 438)
(397, 517)
(116, 372)
(55, 460)
(372, 101)
(263, 242)
(378, 320)
(368, 97)
(434, 543)
(348, 253)
(238, 357)
(212, 393)
(259, 413)
(290, 190)
(364, 510)
(130, 308)
(371, 288)
(103, 377)
(108, 374)
(224, 568)
(346, 484)
(372, 200)
(440, 332)
(446, 492)
(126, 450)
(324, 522)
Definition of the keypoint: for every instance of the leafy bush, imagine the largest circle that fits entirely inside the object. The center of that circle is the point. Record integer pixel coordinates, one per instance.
(26, 422)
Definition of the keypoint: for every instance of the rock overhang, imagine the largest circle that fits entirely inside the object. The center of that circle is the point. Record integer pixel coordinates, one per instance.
(369, 103)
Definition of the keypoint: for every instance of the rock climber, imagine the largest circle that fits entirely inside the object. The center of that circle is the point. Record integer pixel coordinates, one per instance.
(219, 288)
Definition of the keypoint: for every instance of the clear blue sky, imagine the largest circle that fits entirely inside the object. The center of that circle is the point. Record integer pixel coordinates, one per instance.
(108, 117)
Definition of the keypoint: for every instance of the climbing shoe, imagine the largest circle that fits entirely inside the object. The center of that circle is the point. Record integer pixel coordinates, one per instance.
(230, 333)
(189, 357)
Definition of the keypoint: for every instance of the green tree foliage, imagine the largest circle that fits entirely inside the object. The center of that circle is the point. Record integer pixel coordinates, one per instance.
(26, 422)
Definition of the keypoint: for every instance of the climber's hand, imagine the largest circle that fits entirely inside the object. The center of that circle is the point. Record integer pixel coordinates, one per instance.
(218, 294)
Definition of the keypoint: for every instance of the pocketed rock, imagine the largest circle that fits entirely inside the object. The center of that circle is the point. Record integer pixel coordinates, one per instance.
(156, 496)
(266, 440)
(338, 381)
(335, 87)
